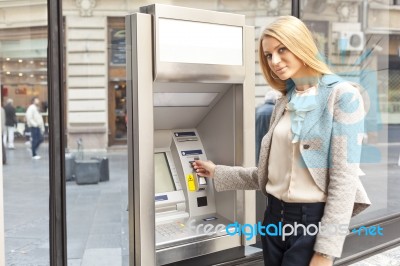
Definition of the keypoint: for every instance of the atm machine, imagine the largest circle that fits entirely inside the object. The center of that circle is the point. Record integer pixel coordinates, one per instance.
(190, 81)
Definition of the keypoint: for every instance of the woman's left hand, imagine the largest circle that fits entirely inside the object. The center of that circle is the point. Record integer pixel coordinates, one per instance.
(318, 260)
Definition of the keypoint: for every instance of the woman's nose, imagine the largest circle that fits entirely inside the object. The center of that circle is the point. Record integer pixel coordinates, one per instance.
(276, 59)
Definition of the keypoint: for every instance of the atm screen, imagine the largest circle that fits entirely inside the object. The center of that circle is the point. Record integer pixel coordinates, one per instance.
(163, 176)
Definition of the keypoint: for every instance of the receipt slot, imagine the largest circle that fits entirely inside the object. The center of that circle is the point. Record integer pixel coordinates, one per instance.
(190, 83)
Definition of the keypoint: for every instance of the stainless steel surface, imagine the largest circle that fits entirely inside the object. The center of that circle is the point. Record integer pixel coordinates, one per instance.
(189, 116)
(129, 110)
(195, 249)
(217, 130)
(221, 122)
(249, 213)
(192, 14)
(197, 73)
(184, 169)
(187, 230)
(141, 173)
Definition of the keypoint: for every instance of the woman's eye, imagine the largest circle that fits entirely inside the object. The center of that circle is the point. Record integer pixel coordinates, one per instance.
(281, 50)
(268, 56)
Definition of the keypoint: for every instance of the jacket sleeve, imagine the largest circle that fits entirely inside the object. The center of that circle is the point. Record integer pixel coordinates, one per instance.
(235, 178)
(344, 159)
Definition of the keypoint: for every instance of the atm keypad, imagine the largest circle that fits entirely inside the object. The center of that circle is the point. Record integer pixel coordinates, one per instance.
(171, 229)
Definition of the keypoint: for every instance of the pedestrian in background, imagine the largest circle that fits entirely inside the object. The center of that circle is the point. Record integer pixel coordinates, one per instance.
(11, 122)
(3, 128)
(263, 118)
(36, 126)
(309, 159)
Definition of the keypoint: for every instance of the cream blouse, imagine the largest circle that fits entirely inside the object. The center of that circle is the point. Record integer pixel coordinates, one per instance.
(288, 177)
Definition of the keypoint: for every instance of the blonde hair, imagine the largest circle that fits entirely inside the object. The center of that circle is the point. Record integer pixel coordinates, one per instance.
(296, 37)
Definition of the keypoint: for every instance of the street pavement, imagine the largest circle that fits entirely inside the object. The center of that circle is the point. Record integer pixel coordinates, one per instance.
(96, 214)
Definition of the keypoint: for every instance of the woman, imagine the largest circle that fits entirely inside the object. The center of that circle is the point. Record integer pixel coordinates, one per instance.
(309, 159)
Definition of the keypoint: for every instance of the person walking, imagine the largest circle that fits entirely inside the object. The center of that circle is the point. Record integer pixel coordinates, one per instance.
(11, 122)
(309, 159)
(36, 126)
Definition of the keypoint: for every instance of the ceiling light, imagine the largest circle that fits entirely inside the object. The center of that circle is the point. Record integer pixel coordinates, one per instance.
(20, 74)
(8, 59)
(20, 60)
(8, 72)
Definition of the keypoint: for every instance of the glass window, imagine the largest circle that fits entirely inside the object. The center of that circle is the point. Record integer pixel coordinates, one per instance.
(95, 70)
(25, 170)
(356, 41)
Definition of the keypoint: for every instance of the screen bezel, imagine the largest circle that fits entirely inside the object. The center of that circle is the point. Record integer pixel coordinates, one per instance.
(173, 197)
(173, 184)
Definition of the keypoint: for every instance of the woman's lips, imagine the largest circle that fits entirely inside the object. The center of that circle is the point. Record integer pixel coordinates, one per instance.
(280, 70)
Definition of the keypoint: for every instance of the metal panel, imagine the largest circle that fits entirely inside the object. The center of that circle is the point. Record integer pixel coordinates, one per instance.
(248, 102)
(219, 144)
(57, 205)
(169, 255)
(199, 73)
(296, 8)
(141, 171)
(227, 106)
(129, 131)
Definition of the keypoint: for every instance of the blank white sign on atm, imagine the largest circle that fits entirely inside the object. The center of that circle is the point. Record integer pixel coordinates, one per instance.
(168, 99)
(200, 43)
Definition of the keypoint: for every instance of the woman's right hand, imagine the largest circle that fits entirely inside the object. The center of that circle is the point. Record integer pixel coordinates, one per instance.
(204, 168)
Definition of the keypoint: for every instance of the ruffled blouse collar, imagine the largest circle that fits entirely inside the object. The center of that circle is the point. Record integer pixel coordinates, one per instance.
(300, 103)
